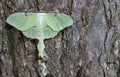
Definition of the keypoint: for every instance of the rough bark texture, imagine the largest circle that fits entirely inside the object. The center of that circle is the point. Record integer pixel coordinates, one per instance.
(89, 48)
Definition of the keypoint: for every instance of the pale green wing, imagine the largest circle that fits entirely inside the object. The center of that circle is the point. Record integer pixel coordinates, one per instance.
(58, 21)
(22, 21)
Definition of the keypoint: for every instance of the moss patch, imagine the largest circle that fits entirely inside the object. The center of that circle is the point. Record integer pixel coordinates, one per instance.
(81, 73)
(11, 48)
(49, 75)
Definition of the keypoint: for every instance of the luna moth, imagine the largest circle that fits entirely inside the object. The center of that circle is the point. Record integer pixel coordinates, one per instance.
(39, 26)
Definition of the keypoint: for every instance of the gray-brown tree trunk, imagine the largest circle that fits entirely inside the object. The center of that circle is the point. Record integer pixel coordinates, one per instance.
(89, 48)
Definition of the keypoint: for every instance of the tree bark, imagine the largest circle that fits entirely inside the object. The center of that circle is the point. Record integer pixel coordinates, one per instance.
(89, 48)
